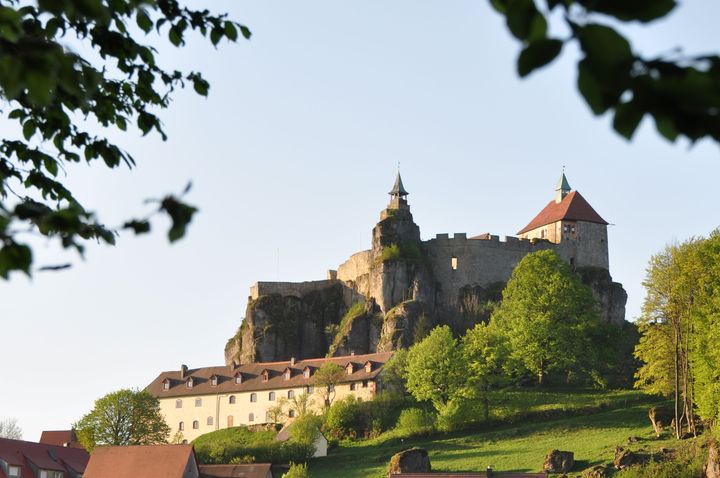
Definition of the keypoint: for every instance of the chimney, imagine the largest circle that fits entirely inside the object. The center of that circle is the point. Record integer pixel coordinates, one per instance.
(183, 370)
(292, 360)
(235, 364)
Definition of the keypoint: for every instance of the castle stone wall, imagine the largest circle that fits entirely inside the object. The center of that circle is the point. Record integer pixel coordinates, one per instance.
(590, 245)
(295, 289)
(357, 265)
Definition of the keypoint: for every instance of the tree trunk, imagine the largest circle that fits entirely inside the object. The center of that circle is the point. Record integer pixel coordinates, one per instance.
(678, 425)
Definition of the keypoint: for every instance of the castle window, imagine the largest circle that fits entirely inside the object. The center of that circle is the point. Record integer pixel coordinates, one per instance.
(166, 384)
(238, 378)
(265, 375)
(253, 397)
(306, 372)
(189, 383)
(214, 381)
(198, 402)
(178, 403)
(291, 394)
(231, 400)
(196, 424)
(365, 383)
(353, 386)
(287, 374)
(368, 366)
(181, 426)
(271, 396)
(350, 368)
(251, 417)
(210, 421)
(454, 263)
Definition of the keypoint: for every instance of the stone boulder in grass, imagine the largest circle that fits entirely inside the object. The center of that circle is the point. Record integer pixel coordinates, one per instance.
(414, 460)
(557, 461)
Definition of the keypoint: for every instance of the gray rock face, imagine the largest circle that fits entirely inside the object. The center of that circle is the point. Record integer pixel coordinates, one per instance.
(403, 324)
(414, 460)
(557, 461)
(611, 296)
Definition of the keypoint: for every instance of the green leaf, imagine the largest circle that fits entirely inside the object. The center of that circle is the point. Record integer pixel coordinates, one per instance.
(627, 118)
(524, 20)
(174, 36)
(591, 89)
(201, 86)
(231, 31)
(537, 54)
(666, 127)
(180, 213)
(17, 114)
(215, 35)
(246, 33)
(29, 128)
(604, 47)
(51, 165)
(139, 227)
(631, 10)
(15, 256)
(143, 21)
(499, 5)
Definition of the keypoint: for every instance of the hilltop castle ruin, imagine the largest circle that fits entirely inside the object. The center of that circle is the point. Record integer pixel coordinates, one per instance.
(407, 285)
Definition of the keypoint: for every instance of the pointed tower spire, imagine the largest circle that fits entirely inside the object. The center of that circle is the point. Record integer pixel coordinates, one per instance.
(562, 189)
(398, 195)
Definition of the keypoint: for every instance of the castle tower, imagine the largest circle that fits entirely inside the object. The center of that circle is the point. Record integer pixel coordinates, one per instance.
(572, 223)
(398, 195)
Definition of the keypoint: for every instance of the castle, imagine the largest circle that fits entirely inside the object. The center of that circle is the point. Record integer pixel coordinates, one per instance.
(407, 285)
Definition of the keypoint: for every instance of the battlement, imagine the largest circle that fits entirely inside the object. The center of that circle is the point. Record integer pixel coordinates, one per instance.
(297, 289)
(483, 241)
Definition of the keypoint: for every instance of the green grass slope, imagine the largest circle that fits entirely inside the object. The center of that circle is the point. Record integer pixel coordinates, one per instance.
(518, 447)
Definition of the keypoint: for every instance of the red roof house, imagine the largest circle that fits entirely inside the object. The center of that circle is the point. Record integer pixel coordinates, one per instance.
(143, 461)
(35, 460)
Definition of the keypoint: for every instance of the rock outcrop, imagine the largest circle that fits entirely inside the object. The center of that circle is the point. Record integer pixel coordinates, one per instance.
(414, 460)
(597, 471)
(611, 296)
(557, 461)
(624, 458)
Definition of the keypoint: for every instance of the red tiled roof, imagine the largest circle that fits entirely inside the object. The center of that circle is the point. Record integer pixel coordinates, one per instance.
(255, 470)
(66, 438)
(142, 461)
(43, 456)
(252, 379)
(573, 207)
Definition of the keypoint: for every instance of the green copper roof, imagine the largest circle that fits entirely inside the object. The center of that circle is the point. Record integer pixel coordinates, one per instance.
(398, 189)
(563, 184)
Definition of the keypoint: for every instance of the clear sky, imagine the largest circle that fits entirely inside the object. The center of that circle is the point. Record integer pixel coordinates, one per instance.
(292, 156)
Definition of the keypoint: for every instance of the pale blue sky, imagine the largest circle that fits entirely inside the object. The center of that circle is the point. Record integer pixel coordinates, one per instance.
(295, 150)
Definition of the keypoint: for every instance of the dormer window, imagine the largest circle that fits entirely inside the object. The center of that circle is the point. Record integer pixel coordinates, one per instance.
(368, 366)
(189, 382)
(287, 374)
(166, 384)
(350, 368)
(13, 471)
(238, 378)
(306, 372)
(265, 375)
(214, 381)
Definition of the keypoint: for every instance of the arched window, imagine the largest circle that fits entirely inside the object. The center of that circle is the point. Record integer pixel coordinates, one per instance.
(184, 442)
(271, 396)
(291, 394)
(178, 403)
(209, 420)
(306, 372)
(196, 424)
(231, 400)
(213, 381)
(238, 378)
(181, 426)
(189, 383)
(251, 417)
(287, 374)
(253, 397)
(166, 384)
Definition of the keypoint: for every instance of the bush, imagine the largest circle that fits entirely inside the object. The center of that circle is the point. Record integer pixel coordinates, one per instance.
(344, 419)
(297, 471)
(240, 445)
(415, 421)
(459, 414)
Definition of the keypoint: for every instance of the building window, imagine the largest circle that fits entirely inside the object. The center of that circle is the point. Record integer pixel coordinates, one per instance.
(184, 442)
(253, 397)
(271, 396)
(306, 372)
(267, 417)
(198, 402)
(365, 382)
(189, 383)
(231, 400)
(349, 368)
(166, 384)
(196, 424)
(291, 413)
(309, 389)
(210, 421)
(214, 380)
(238, 378)
(13, 471)
(51, 474)
(181, 426)
(251, 417)
(291, 394)
(368, 366)
(352, 386)
(453, 263)
(265, 375)
(287, 374)
(178, 403)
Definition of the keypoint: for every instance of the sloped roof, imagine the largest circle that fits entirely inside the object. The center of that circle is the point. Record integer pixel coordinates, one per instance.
(66, 438)
(142, 461)
(48, 457)
(255, 470)
(573, 207)
(252, 376)
(398, 188)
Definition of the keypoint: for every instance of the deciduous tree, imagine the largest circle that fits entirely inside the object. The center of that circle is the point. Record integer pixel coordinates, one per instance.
(125, 417)
(326, 378)
(485, 352)
(64, 66)
(9, 428)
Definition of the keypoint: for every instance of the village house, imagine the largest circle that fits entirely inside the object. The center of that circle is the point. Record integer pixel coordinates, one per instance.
(24, 459)
(143, 461)
(198, 401)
